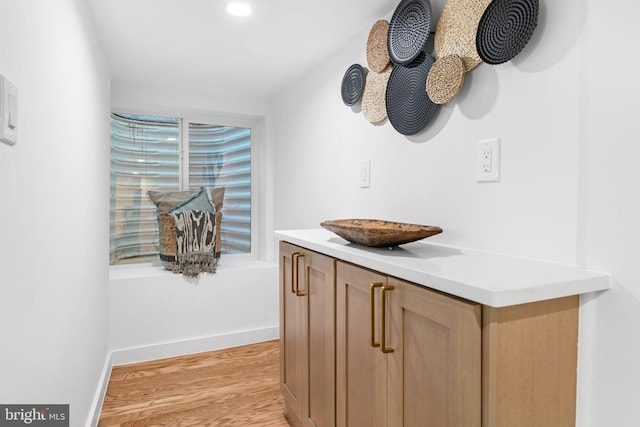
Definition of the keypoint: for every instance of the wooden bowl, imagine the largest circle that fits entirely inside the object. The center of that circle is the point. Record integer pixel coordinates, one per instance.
(378, 233)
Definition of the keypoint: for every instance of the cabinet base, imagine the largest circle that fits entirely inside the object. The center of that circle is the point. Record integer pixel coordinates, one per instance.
(292, 420)
(530, 364)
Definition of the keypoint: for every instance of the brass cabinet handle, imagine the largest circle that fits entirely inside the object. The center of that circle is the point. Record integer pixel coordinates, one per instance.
(383, 324)
(372, 300)
(294, 261)
(295, 285)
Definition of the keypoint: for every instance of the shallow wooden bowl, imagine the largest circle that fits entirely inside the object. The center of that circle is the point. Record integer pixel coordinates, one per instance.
(378, 233)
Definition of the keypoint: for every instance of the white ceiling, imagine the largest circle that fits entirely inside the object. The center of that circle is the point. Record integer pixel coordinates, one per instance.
(195, 44)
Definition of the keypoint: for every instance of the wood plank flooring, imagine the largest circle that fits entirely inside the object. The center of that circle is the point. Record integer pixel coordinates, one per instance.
(237, 387)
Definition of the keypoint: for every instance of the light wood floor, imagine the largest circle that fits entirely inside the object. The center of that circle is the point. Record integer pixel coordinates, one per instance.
(236, 387)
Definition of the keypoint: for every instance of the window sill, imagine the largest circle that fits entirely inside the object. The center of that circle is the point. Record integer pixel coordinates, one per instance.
(155, 269)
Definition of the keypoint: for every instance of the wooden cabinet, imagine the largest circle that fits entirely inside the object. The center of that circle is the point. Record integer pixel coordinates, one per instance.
(361, 348)
(406, 355)
(529, 364)
(307, 338)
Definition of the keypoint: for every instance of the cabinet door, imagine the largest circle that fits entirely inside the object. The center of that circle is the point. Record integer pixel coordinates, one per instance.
(318, 290)
(291, 338)
(435, 366)
(307, 336)
(361, 386)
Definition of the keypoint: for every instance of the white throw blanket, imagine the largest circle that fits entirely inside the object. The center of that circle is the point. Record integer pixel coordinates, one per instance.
(195, 239)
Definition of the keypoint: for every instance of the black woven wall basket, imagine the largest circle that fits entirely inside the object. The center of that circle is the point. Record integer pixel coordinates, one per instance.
(353, 84)
(408, 105)
(409, 29)
(505, 29)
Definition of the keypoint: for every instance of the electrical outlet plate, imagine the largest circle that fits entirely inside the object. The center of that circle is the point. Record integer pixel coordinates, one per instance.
(365, 173)
(488, 161)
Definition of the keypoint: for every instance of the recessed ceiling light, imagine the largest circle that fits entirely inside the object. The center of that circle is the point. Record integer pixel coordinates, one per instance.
(239, 9)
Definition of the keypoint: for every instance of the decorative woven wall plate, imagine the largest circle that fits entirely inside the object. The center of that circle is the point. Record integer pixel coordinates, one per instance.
(374, 106)
(505, 29)
(377, 52)
(456, 30)
(445, 79)
(408, 105)
(353, 84)
(409, 30)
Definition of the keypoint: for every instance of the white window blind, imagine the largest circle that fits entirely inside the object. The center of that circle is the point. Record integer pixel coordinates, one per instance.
(146, 155)
(220, 156)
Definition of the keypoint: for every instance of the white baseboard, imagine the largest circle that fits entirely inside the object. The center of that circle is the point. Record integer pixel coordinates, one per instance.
(98, 399)
(191, 346)
(172, 349)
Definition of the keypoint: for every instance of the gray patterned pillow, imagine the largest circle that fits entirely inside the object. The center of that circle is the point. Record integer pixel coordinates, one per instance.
(167, 200)
(200, 202)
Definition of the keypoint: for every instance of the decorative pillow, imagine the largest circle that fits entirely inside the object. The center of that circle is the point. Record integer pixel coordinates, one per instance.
(167, 246)
(200, 202)
(217, 197)
(166, 201)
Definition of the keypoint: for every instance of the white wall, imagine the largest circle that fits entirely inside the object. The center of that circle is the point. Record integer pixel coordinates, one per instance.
(154, 313)
(613, 211)
(171, 98)
(54, 219)
(530, 104)
(564, 111)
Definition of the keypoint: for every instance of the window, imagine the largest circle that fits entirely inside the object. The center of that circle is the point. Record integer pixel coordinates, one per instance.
(169, 153)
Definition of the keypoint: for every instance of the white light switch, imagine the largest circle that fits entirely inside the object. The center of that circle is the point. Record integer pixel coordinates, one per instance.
(365, 173)
(13, 112)
(8, 111)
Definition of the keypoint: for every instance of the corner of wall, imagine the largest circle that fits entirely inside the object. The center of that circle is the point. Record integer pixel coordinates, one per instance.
(101, 391)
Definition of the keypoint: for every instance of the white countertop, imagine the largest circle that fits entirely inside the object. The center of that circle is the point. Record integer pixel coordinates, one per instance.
(487, 278)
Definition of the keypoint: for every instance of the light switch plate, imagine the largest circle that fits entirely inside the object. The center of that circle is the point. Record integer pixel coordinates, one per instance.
(365, 173)
(8, 111)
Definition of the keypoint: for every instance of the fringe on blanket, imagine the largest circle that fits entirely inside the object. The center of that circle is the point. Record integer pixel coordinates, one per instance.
(195, 240)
